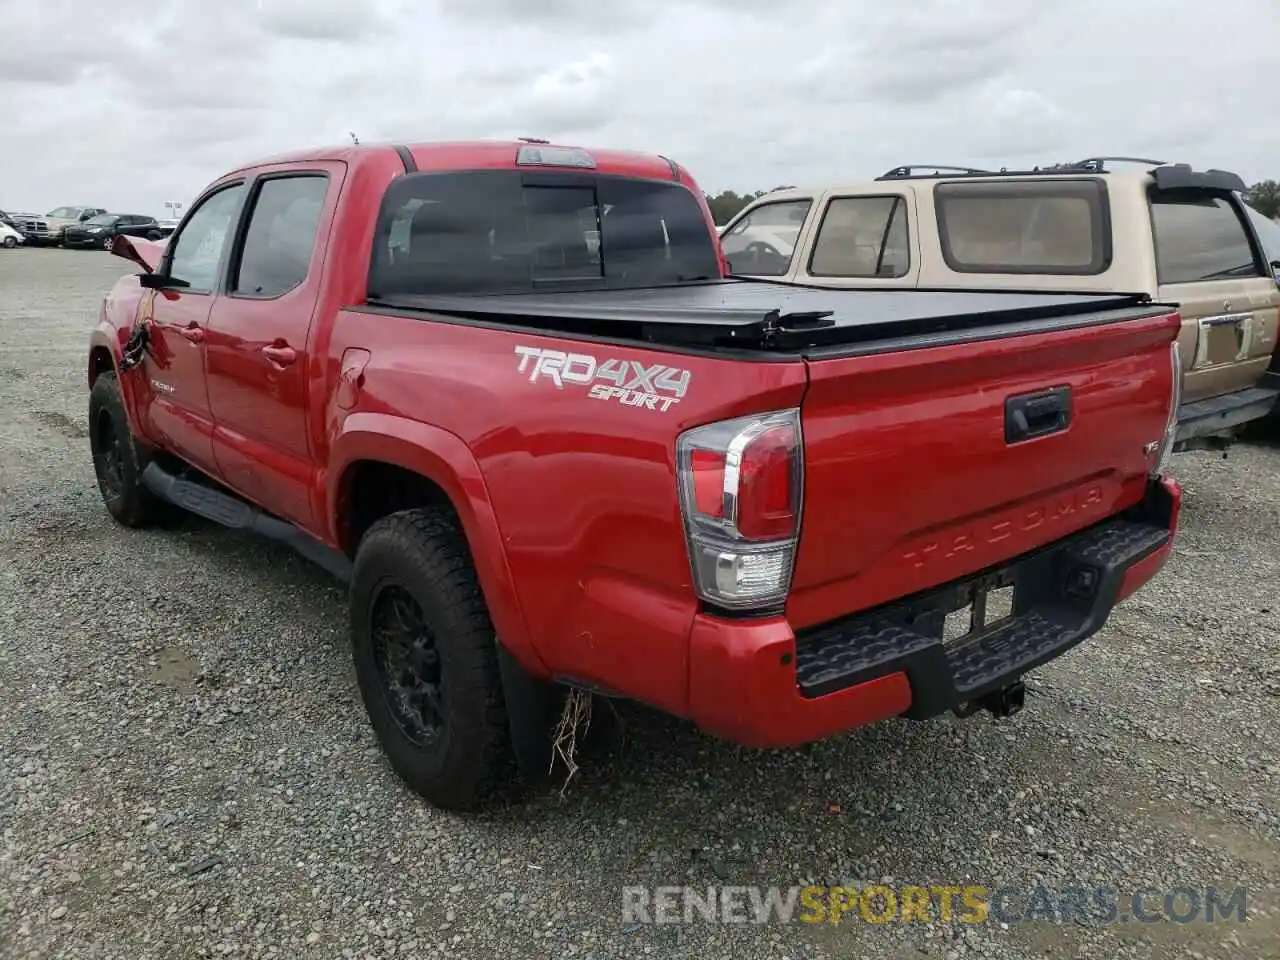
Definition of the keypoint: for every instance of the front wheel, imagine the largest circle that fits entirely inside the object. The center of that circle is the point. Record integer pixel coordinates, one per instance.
(426, 660)
(10, 242)
(118, 460)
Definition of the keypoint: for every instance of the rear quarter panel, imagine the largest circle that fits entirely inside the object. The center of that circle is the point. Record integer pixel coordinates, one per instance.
(583, 489)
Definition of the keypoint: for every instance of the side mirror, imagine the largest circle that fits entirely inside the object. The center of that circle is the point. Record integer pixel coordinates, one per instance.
(156, 281)
(86, 216)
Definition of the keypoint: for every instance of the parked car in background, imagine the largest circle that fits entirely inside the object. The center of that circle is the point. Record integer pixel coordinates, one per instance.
(167, 225)
(9, 237)
(47, 230)
(1179, 235)
(99, 231)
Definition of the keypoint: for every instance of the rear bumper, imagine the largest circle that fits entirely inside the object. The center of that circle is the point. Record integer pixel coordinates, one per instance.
(1202, 418)
(759, 684)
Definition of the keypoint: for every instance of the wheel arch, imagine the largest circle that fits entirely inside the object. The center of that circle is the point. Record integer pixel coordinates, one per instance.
(101, 360)
(381, 463)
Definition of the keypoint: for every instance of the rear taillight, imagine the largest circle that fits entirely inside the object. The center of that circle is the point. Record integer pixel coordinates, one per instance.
(740, 493)
(1165, 450)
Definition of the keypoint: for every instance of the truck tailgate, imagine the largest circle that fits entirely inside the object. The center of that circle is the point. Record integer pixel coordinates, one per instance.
(929, 464)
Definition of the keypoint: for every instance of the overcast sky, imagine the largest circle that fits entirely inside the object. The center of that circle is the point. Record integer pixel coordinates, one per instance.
(129, 103)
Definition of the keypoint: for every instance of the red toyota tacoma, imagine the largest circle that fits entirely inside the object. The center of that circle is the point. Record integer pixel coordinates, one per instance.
(509, 393)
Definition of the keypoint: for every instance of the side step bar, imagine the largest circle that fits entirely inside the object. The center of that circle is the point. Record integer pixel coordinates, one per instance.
(230, 511)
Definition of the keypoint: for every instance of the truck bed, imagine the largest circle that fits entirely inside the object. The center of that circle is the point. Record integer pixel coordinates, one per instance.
(753, 315)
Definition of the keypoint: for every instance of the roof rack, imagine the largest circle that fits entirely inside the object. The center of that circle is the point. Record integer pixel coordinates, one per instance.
(1099, 164)
(907, 170)
(1088, 165)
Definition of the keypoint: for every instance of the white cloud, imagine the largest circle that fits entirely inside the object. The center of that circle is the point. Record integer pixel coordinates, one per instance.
(130, 103)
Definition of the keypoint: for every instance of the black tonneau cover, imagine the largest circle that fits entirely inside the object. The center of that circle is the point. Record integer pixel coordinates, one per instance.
(755, 314)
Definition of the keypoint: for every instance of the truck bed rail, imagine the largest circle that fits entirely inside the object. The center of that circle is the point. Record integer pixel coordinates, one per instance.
(763, 315)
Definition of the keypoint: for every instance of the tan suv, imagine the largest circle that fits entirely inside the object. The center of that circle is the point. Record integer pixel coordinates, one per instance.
(1179, 235)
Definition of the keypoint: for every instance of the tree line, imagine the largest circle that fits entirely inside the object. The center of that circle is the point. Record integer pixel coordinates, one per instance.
(1263, 197)
(726, 205)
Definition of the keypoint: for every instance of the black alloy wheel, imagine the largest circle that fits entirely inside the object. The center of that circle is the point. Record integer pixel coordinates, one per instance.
(408, 664)
(109, 452)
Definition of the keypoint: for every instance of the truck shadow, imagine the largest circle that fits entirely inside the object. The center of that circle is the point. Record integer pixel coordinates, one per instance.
(636, 762)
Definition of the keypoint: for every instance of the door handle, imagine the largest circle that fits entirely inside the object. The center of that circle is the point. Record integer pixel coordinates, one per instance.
(1032, 415)
(193, 332)
(283, 355)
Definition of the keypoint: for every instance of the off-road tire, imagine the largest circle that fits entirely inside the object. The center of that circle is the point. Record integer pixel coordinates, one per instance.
(424, 553)
(126, 499)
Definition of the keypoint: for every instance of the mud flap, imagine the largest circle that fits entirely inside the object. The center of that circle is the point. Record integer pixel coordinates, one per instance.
(533, 709)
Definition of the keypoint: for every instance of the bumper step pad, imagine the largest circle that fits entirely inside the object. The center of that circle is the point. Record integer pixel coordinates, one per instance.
(1063, 594)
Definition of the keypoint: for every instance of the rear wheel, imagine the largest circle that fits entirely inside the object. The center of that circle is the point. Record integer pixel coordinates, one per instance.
(153, 234)
(118, 460)
(426, 659)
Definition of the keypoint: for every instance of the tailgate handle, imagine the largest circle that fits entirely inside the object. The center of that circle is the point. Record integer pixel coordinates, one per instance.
(1031, 415)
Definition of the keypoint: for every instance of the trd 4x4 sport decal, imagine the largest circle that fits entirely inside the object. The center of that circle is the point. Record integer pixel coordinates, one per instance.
(629, 382)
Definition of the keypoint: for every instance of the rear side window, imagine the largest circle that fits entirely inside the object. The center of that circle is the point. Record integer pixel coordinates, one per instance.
(1199, 237)
(276, 255)
(763, 242)
(510, 231)
(1058, 227)
(862, 237)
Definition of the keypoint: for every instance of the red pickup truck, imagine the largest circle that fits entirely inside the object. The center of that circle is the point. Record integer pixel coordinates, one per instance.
(509, 393)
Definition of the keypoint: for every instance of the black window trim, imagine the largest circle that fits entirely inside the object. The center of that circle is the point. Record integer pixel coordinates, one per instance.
(245, 219)
(899, 198)
(538, 178)
(1260, 262)
(220, 275)
(1104, 247)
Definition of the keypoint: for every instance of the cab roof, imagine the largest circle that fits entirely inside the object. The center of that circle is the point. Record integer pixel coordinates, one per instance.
(483, 154)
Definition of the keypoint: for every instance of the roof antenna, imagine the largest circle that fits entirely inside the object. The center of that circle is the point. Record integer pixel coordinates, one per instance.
(355, 140)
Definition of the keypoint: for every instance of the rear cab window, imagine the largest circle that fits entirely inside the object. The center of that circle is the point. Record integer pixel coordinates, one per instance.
(763, 242)
(1200, 236)
(510, 231)
(1050, 226)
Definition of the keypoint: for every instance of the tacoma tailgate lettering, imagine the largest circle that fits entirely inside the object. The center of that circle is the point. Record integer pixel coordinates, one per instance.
(630, 382)
(965, 540)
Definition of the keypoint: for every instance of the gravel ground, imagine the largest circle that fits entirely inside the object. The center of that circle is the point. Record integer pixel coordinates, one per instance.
(186, 769)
